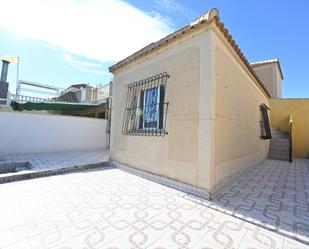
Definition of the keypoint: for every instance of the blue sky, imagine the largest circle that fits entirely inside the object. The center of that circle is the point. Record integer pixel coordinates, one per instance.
(74, 41)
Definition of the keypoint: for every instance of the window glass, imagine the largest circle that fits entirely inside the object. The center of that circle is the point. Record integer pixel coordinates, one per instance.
(151, 108)
(264, 123)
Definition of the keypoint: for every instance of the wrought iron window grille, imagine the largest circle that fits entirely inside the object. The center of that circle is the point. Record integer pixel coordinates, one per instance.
(264, 123)
(145, 110)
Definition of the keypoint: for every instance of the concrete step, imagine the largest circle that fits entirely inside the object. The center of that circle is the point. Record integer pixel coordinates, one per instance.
(279, 157)
(279, 133)
(279, 136)
(279, 146)
(283, 146)
(280, 140)
(278, 152)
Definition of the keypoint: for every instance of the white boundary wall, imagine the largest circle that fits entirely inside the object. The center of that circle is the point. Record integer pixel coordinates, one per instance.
(22, 133)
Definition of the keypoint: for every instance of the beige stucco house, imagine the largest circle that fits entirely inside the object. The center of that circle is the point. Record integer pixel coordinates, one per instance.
(189, 107)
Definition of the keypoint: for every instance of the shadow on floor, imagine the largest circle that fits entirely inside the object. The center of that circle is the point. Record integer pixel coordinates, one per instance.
(274, 195)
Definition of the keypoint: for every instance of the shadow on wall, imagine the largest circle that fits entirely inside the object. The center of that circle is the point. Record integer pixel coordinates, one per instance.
(280, 109)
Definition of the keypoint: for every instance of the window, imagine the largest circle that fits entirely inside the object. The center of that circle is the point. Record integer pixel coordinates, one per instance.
(145, 111)
(265, 126)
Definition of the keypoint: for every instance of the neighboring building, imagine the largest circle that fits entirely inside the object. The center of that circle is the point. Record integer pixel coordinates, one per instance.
(84, 93)
(190, 107)
(77, 100)
(270, 73)
(102, 92)
(78, 93)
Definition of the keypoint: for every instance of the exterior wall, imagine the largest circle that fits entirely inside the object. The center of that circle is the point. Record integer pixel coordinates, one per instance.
(185, 153)
(280, 109)
(29, 133)
(102, 92)
(237, 107)
(270, 76)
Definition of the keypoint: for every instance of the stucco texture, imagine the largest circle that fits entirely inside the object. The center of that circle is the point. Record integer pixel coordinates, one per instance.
(280, 110)
(213, 116)
(237, 128)
(271, 78)
(176, 154)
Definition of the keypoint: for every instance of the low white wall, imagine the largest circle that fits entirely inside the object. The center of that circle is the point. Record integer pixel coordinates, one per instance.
(32, 133)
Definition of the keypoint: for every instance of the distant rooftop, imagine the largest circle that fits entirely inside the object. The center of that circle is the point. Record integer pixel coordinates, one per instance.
(265, 62)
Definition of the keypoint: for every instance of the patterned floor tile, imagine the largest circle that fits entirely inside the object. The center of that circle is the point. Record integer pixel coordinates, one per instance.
(111, 208)
(274, 195)
(51, 161)
(24, 244)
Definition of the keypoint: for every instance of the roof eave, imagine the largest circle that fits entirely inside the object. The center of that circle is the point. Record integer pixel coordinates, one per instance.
(210, 17)
(206, 18)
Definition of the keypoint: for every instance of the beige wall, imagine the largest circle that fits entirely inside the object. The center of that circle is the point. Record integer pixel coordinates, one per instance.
(213, 117)
(280, 109)
(271, 78)
(237, 129)
(183, 154)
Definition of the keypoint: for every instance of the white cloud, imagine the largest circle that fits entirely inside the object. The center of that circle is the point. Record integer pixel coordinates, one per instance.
(105, 30)
(173, 11)
(82, 65)
(68, 58)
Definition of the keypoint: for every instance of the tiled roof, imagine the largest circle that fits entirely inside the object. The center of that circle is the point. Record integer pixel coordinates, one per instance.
(260, 63)
(205, 19)
(78, 86)
(68, 97)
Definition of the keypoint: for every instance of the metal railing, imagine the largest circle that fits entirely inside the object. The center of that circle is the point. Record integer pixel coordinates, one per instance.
(146, 120)
(145, 112)
(24, 99)
(291, 138)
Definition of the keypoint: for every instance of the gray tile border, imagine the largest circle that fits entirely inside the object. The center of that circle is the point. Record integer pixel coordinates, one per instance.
(183, 187)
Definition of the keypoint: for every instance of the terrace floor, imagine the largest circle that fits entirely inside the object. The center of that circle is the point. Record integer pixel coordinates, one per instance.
(110, 208)
(44, 162)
